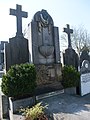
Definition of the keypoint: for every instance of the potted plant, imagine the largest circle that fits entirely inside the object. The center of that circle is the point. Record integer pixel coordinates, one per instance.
(37, 112)
(70, 79)
(18, 84)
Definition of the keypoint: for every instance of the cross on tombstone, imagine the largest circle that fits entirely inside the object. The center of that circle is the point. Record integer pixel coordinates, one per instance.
(68, 31)
(19, 14)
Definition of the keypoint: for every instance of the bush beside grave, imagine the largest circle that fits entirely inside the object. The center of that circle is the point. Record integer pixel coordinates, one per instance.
(19, 81)
(70, 77)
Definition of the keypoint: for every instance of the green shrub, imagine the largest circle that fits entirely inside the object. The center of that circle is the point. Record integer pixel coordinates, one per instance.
(19, 81)
(70, 77)
(35, 112)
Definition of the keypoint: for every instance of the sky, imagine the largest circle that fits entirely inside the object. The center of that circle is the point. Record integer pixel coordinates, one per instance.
(73, 12)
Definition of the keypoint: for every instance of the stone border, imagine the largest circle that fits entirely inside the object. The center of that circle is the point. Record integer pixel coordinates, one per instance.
(15, 105)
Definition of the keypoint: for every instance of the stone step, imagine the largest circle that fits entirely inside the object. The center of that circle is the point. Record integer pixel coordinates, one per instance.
(46, 95)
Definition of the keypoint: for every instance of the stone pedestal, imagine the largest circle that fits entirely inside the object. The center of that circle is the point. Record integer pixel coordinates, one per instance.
(16, 51)
(48, 78)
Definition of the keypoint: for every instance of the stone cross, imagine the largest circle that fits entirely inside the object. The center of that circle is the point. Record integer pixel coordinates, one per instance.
(68, 31)
(19, 14)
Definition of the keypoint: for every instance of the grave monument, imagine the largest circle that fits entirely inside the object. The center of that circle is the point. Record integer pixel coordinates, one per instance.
(85, 78)
(16, 51)
(44, 48)
(85, 72)
(70, 57)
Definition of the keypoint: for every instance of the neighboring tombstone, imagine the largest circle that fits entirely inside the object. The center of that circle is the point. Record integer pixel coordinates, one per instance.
(85, 78)
(2, 43)
(70, 57)
(44, 48)
(84, 56)
(16, 51)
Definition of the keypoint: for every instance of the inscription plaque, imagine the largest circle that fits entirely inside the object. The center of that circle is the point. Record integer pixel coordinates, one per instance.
(85, 84)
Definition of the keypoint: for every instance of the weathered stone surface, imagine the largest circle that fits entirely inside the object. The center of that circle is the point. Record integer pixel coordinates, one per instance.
(48, 78)
(16, 52)
(44, 39)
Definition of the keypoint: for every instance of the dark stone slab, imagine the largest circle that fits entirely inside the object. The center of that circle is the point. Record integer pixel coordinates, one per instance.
(16, 52)
(70, 58)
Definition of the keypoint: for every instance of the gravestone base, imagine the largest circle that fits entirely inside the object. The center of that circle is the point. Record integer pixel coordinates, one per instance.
(48, 78)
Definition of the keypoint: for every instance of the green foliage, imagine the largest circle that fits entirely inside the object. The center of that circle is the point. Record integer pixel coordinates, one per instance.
(35, 112)
(20, 80)
(70, 77)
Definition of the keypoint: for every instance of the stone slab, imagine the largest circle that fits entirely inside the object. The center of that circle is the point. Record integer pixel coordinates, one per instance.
(16, 52)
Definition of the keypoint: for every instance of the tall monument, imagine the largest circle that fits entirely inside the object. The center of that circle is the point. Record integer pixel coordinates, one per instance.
(45, 39)
(44, 47)
(16, 51)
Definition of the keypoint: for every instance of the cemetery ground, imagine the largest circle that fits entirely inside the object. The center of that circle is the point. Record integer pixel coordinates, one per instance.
(63, 106)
